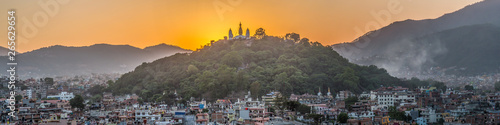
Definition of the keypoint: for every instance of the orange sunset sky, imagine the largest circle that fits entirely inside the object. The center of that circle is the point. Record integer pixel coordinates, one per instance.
(193, 23)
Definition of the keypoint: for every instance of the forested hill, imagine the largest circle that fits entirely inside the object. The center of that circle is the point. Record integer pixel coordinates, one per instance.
(257, 65)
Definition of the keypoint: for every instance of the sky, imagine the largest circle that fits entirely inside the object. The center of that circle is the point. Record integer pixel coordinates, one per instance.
(191, 24)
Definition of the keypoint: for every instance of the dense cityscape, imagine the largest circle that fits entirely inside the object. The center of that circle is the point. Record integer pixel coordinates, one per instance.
(235, 62)
(66, 100)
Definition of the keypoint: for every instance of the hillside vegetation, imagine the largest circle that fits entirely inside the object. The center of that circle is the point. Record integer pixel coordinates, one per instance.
(229, 67)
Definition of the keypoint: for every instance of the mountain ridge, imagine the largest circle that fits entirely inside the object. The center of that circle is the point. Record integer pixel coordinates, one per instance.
(59, 60)
(394, 40)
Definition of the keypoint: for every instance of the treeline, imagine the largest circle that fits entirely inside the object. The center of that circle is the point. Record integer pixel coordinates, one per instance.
(228, 68)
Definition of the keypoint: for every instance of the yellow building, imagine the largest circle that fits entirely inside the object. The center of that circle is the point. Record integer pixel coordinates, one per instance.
(385, 120)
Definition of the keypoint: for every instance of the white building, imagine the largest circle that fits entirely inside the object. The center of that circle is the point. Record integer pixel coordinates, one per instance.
(341, 95)
(404, 98)
(365, 95)
(63, 96)
(392, 98)
(459, 112)
(373, 95)
(146, 114)
(386, 99)
(430, 115)
(29, 93)
(365, 114)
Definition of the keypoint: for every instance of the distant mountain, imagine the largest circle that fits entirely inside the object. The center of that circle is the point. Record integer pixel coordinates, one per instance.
(158, 51)
(398, 47)
(4, 51)
(99, 58)
(468, 50)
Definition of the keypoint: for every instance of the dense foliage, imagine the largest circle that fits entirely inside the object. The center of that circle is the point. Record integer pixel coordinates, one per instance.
(282, 103)
(77, 102)
(229, 67)
(350, 101)
(469, 87)
(342, 117)
(398, 115)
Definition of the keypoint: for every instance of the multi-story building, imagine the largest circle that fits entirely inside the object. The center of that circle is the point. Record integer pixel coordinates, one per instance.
(364, 114)
(141, 115)
(63, 96)
(341, 95)
(404, 98)
(385, 99)
(459, 112)
(493, 98)
(269, 99)
(393, 97)
(202, 118)
(29, 93)
(305, 98)
(430, 115)
(42, 90)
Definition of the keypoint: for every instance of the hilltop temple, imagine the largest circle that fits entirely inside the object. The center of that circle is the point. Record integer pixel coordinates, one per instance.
(240, 34)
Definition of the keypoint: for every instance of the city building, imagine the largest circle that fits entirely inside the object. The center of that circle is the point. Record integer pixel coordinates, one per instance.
(63, 96)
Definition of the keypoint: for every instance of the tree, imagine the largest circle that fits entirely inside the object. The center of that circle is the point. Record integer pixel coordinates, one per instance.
(342, 117)
(281, 83)
(260, 33)
(303, 109)
(192, 69)
(497, 86)
(18, 97)
(94, 90)
(292, 105)
(49, 81)
(156, 98)
(292, 36)
(50, 99)
(280, 103)
(109, 84)
(169, 98)
(205, 81)
(77, 102)
(440, 121)
(315, 117)
(232, 59)
(96, 98)
(255, 89)
(469, 87)
(224, 77)
(348, 79)
(350, 101)
(395, 114)
(305, 41)
(439, 85)
(241, 81)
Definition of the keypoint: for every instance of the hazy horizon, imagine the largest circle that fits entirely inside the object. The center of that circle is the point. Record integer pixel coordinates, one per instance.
(191, 24)
(104, 43)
